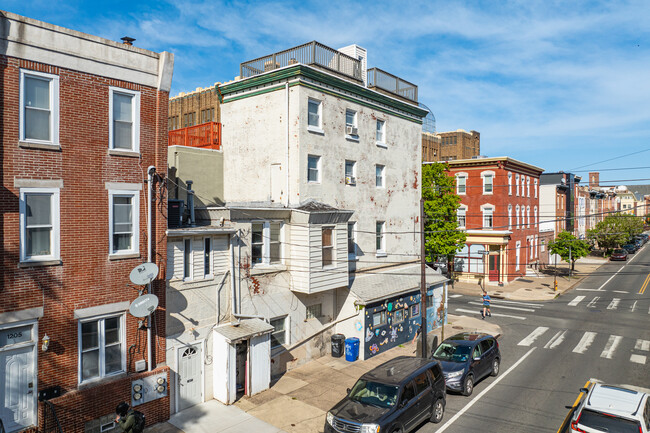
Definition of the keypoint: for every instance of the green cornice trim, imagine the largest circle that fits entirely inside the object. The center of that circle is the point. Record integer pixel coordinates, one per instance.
(315, 74)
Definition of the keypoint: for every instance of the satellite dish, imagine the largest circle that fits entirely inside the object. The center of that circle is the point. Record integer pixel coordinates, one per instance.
(143, 305)
(144, 273)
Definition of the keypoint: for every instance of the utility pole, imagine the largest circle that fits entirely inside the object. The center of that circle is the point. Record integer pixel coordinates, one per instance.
(569, 262)
(423, 283)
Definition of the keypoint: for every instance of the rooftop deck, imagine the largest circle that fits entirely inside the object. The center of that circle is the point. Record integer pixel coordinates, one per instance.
(203, 136)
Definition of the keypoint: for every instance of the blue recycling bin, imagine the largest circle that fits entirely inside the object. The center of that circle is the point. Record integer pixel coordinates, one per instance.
(351, 349)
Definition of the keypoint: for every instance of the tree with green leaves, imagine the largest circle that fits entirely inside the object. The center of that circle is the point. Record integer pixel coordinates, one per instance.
(616, 230)
(569, 247)
(442, 237)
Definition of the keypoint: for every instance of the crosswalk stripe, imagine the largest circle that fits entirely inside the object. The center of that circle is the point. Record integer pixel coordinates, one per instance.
(585, 342)
(455, 296)
(614, 304)
(527, 304)
(639, 359)
(504, 306)
(642, 345)
(610, 347)
(533, 336)
(592, 303)
(576, 301)
(619, 291)
(462, 310)
(633, 307)
(556, 340)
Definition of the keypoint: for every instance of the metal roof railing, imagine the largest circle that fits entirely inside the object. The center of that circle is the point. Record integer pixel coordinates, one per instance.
(390, 83)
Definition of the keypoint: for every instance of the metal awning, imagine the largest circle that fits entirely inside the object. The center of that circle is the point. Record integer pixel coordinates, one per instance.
(374, 286)
(246, 329)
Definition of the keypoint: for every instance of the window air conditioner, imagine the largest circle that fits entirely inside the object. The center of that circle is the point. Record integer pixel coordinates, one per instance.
(350, 180)
(351, 130)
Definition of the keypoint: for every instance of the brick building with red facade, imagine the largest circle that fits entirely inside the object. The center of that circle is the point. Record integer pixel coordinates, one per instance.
(82, 118)
(499, 213)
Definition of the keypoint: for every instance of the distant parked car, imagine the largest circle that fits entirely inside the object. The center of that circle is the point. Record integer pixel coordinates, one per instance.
(641, 238)
(608, 408)
(397, 396)
(467, 358)
(630, 248)
(618, 254)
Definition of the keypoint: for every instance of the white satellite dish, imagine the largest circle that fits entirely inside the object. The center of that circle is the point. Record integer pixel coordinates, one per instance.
(144, 305)
(144, 273)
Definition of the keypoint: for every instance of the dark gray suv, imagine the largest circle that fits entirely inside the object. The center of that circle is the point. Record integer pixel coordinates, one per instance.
(397, 396)
(467, 358)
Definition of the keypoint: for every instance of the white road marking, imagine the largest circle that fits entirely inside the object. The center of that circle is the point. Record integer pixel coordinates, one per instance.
(485, 391)
(610, 347)
(576, 301)
(589, 290)
(639, 359)
(556, 340)
(533, 336)
(592, 303)
(528, 304)
(462, 310)
(504, 306)
(642, 345)
(455, 296)
(633, 307)
(619, 291)
(614, 304)
(610, 278)
(585, 342)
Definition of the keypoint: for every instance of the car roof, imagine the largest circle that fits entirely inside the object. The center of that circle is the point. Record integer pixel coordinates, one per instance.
(398, 369)
(469, 337)
(614, 400)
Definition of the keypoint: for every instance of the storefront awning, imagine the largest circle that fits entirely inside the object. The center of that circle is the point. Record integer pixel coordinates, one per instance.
(374, 286)
(247, 328)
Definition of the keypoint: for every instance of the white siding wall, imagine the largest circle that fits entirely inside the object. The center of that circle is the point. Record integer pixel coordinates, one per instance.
(224, 383)
(336, 275)
(547, 208)
(300, 251)
(260, 369)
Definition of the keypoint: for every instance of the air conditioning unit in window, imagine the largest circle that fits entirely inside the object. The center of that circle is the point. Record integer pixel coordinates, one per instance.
(350, 180)
(351, 130)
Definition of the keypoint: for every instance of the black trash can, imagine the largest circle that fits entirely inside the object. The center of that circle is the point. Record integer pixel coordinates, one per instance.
(338, 345)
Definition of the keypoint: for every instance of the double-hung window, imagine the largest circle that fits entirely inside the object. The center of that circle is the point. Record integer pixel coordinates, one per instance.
(39, 107)
(488, 182)
(351, 130)
(509, 217)
(461, 183)
(352, 240)
(517, 185)
(535, 187)
(380, 238)
(461, 216)
(314, 115)
(350, 172)
(381, 133)
(488, 214)
(124, 114)
(509, 183)
(517, 216)
(265, 242)
(278, 336)
(327, 246)
(380, 174)
(313, 169)
(207, 258)
(527, 186)
(101, 347)
(124, 221)
(188, 260)
(39, 224)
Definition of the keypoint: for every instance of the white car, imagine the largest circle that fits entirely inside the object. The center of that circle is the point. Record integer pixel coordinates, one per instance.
(610, 408)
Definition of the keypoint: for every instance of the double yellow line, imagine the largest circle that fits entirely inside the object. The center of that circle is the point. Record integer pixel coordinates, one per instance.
(568, 416)
(645, 285)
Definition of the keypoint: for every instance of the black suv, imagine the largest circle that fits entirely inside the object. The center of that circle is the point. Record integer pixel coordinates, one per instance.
(395, 397)
(467, 358)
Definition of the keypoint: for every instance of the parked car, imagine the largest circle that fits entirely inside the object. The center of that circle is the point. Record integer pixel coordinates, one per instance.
(467, 358)
(396, 396)
(641, 238)
(630, 248)
(618, 254)
(645, 236)
(637, 241)
(609, 408)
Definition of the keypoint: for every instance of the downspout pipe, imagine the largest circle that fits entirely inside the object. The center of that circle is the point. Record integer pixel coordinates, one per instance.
(151, 170)
(287, 143)
(233, 284)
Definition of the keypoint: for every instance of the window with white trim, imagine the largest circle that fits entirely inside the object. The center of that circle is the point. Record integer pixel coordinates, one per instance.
(207, 257)
(517, 185)
(188, 259)
(313, 168)
(314, 115)
(535, 188)
(380, 174)
(265, 242)
(327, 246)
(527, 186)
(279, 333)
(352, 240)
(517, 216)
(40, 226)
(509, 217)
(124, 118)
(488, 215)
(381, 132)
(351, 124)
(39, 107)
(536, 217)
(350, 172)
(527, 216)
(517, 255)
(124, 222)
(380, 237)
(509, 183)
(488, 182)
(101, 347)
(461, 184)
(461, 214)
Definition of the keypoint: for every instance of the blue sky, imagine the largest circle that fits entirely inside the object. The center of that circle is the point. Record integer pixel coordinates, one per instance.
(561, 85)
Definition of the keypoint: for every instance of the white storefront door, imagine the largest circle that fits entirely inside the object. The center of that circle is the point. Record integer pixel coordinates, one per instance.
(17, 388)
(190, 375)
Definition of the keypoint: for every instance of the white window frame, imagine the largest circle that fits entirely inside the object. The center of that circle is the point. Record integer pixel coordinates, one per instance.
(135, 112)
(517, 255)
(517, 215)
(509, 217)
(332, 247)
(266, 242)
(535, 186)
(536, 218)
(381, 236)
(380, 129)
(210, 274)
(463, 176)
(382, 175)
(484, 176)
(285, 329)
(509, 183)
(517, 184)
(353, 175)
(135, 212)
(54, 107)
(354, 124)
(318, 168)
(352, 237)
(316, 128)
(487, 210)
(527, 217)
(190, 255)
(462, 211)
(102, 347)
(55, 236)
(527, 186)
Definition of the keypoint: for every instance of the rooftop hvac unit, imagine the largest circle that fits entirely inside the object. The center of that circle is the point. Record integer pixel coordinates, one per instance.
(175, 209)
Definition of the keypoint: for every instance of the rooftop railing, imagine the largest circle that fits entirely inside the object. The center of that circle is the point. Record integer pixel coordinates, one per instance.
(390, 83)
(204, 136)
(312, 53)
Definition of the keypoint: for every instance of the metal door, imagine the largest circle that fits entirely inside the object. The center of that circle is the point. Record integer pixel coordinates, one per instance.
(17, 388)
(190, 376)
(493, 267)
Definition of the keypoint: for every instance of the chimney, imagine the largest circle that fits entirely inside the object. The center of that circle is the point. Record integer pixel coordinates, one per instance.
(127, 40)
(594, 179)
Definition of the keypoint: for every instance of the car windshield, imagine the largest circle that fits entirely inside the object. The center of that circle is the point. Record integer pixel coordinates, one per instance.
(607, 423)
(619, 252)
(374, 393)
(452, 352)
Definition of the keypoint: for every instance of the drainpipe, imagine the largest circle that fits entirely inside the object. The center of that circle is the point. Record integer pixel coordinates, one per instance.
(239, 269)
(190, 200)
(150, 172)
(287, 153)
(232, 278)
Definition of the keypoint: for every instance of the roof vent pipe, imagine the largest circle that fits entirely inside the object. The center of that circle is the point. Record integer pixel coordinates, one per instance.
(127, 40)
(190, 202)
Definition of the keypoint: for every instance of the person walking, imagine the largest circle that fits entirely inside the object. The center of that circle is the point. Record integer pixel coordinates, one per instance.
(125, 418)
(486, 305)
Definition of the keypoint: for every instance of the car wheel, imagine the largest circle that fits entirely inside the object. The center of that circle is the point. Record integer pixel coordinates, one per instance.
(438, 411)
(468, 385)
(495, 367)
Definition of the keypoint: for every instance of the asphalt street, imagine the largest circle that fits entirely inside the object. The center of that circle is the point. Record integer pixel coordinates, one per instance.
(600, 330)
